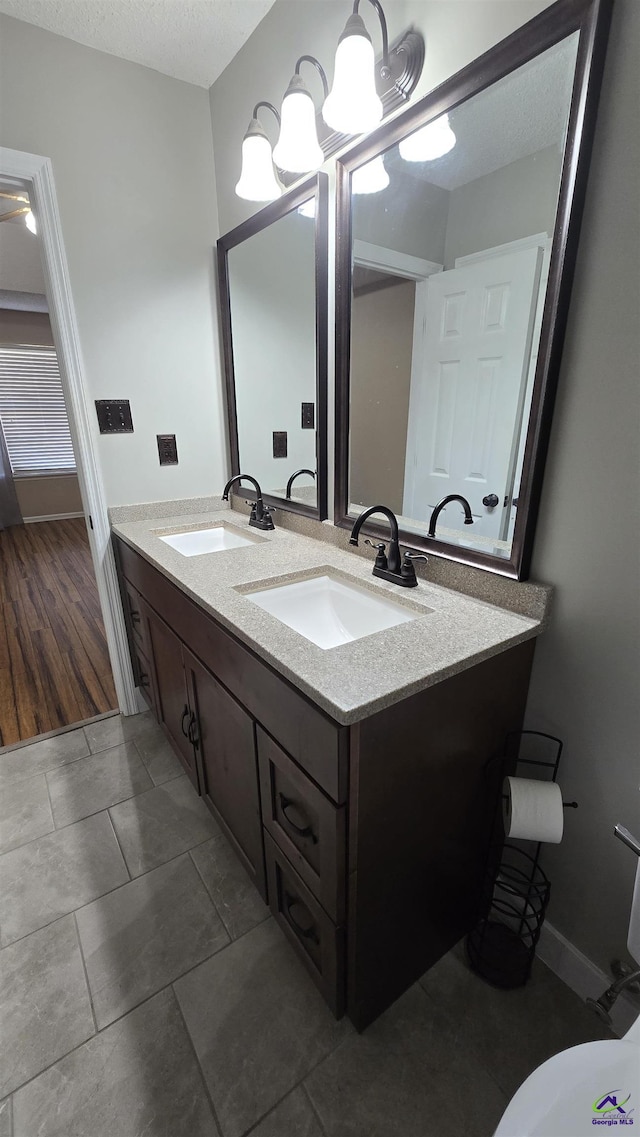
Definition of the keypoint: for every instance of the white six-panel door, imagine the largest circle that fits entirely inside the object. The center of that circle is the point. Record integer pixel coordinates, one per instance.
(467, 398)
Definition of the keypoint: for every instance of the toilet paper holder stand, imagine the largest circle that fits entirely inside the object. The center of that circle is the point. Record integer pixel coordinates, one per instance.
(515, 892)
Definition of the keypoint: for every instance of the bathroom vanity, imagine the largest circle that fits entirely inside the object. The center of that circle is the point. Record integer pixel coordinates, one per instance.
(350, 781)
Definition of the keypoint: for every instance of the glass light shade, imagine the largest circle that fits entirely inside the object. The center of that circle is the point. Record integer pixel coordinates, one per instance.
(298, 149)
(258, 181)
(370, 178)
(30, 222)
(353, 105)
(430, 142)
(308, 208)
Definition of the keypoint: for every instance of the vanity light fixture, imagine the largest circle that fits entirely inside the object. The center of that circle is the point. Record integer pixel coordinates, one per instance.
(430, 142)
(353, 105)
(258, 181)
(370, 178)
(298, 150)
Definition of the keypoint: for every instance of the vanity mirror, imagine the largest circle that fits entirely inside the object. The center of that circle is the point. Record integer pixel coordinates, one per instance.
(456, 236)
(272, 273)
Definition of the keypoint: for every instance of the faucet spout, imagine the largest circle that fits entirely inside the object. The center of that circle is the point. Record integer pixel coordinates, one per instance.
(394, 549)
(311, 473)
(260, 513)
(468, 516)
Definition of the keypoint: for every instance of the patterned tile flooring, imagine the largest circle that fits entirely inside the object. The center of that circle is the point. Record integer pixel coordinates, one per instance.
(146, 992)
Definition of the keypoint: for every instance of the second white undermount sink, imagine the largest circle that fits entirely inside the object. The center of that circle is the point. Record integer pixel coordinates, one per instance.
(330, 611)
(213, 540)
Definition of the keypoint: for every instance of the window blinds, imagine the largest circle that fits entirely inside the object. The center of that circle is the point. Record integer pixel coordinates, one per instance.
(32, 411)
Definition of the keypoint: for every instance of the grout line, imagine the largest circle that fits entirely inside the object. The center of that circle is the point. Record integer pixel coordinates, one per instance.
(299, 1085)
(86, 974)
(207, 1091)
(124, 859)
(312, 1105)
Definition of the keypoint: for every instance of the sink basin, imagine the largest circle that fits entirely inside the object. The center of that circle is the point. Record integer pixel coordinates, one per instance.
(213, 540)
(330, 611)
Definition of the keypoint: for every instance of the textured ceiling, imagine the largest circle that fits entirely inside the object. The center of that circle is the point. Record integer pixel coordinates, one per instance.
(192, 40)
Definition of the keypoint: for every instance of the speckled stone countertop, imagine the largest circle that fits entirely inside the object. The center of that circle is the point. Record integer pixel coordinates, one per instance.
(352, 681)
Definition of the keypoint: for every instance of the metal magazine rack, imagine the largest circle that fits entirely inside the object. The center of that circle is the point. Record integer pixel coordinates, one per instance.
(515, 892)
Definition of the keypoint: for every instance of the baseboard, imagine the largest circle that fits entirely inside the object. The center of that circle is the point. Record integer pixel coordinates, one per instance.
(51, 517)
(583, 976)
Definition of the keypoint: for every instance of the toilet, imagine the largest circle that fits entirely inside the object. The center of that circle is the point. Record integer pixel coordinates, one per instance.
(586, 1089)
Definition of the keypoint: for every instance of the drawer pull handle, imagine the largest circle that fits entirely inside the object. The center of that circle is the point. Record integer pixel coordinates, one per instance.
(302, 831)
(192, 731)
(185, 714)
(135, 616)
(306, 933)
(144, 679)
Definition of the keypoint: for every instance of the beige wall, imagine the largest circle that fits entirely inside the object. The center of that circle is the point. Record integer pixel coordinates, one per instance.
(48, 497)
(519, 200)
(133, 167)
(381, 341)
(25, 328)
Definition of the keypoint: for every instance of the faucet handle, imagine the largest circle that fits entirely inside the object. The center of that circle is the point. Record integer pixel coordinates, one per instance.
(409, 556)
(381, 558)
(407, 569)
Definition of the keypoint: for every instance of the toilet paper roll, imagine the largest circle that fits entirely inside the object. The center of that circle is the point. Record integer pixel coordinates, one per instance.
(532, 810)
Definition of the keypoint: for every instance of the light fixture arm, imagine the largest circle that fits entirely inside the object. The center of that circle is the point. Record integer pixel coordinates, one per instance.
(385, 68)
(270, 106)
(319, 68)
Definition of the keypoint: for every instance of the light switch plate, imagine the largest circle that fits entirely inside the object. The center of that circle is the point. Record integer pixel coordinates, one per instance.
(280, 444)
(167, 449)
(114, 416)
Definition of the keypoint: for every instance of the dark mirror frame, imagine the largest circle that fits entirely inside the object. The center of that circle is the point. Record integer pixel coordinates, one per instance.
(318, 187)
(591, 19)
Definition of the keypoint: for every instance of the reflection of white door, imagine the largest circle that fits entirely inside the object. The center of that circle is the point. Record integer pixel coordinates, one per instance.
(467, 399)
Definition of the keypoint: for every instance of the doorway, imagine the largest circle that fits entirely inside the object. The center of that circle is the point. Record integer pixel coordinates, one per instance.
(54, 660)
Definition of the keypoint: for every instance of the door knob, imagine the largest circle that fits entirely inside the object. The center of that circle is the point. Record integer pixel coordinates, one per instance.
(491, 500)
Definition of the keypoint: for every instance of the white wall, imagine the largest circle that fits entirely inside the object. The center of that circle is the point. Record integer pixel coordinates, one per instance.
(133, 166)
(586, 674)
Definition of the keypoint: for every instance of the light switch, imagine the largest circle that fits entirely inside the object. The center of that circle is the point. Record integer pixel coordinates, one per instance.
(114, 416)
(308, 416)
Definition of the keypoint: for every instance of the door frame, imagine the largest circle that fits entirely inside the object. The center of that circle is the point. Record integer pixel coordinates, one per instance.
(36, 172)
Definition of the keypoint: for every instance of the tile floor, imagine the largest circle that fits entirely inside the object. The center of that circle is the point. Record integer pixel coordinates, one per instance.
(146, 992)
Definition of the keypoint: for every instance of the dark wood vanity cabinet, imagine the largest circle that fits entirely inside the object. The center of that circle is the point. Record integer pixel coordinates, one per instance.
(369, 841)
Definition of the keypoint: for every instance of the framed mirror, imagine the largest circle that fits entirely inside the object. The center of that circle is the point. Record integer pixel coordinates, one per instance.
(457, 230)
(272, 273)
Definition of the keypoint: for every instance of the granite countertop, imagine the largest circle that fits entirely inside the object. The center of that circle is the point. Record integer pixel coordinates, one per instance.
(352, 681)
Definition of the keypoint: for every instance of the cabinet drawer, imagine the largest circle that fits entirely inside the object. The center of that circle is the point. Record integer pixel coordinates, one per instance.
(318, 942)
(306, 825)
(143, 675)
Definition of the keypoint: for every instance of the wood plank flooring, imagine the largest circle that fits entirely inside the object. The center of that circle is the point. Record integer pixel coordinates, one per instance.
(54, 664)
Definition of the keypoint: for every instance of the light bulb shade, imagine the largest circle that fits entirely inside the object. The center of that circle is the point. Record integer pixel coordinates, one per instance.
(258, 181)
(370, 178)
(430, 142)
(353, 105)
(30, 222)
(298, 149)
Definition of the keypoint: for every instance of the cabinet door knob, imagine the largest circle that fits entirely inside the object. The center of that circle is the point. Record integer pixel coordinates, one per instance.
(185, 714)
(302, 831)
(306, 933)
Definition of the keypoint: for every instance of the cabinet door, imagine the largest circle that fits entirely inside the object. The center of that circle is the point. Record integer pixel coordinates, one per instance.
(226, 748)
(172, 704)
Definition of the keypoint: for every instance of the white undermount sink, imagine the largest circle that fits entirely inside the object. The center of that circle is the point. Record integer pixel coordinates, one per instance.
(213, 540)
(330, 611)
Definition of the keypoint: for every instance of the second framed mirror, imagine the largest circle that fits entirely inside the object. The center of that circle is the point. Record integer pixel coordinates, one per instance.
(272, 272)
(456, 237)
